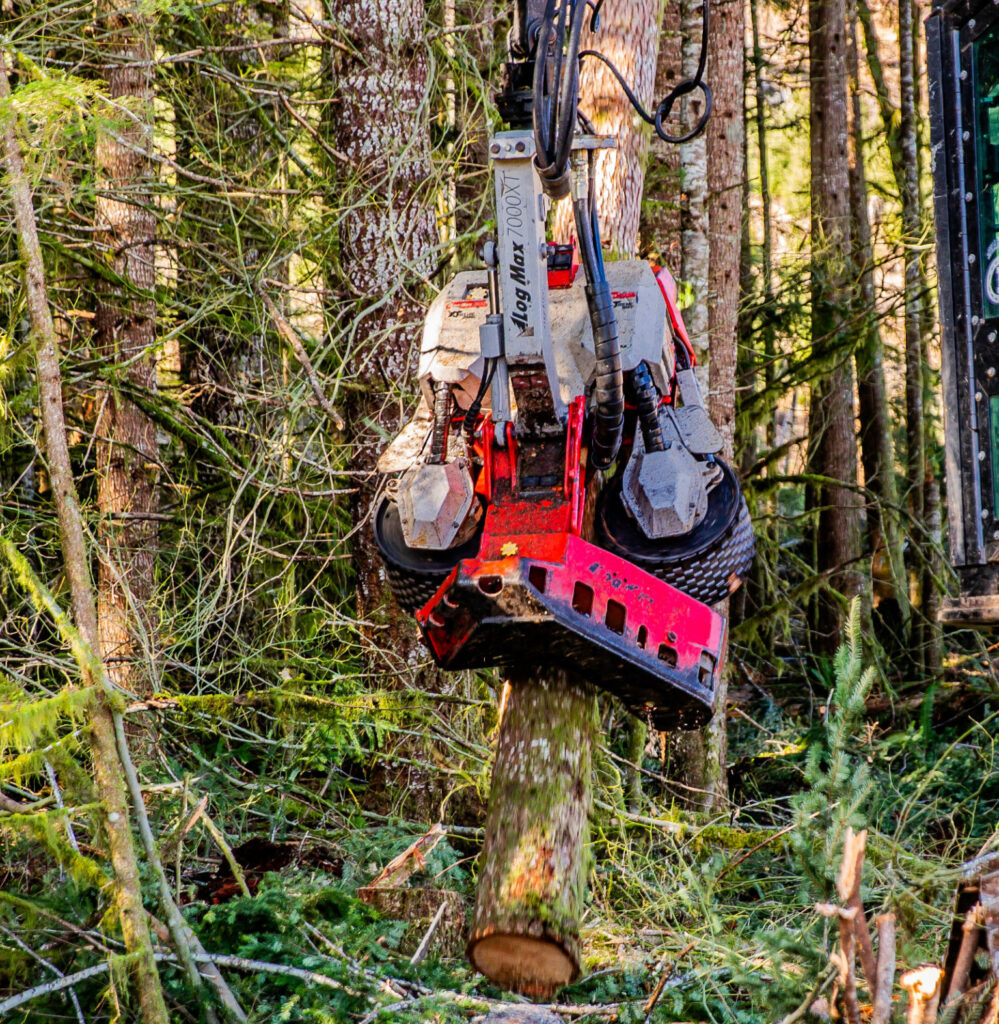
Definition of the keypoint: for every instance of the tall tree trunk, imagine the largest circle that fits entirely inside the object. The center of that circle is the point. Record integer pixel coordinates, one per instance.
(701, 757)
(125, 222)
(388, 242)
(901, 127)
(726, 139)
(911, 232)
(832, 445)
(876, 448)
(766, 252)
(628, 36)
(107, 767)
(660, 222)
(694, 218)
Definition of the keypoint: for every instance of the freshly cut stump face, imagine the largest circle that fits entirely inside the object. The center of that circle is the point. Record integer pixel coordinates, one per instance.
(535, 968)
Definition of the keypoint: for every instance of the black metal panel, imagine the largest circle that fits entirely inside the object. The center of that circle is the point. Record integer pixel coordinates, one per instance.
(963, 64)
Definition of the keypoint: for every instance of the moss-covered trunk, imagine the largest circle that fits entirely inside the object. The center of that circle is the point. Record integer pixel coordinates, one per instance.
(525, 932)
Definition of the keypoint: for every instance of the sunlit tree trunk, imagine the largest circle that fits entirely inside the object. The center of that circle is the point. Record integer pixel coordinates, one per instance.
(714, 242)
(127, 456)
(388, 245)
(660, 221)
(876, 448)
(768, 326)
(911, 228)
(832, 451)
(388, 239)
(901, 127)
(696, 246)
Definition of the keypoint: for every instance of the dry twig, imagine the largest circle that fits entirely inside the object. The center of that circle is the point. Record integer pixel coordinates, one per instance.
(845, 959)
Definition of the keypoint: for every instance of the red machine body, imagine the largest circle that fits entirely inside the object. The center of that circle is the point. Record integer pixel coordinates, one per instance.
(537, 591)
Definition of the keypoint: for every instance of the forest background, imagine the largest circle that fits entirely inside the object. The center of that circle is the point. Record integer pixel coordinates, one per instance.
(242, 209)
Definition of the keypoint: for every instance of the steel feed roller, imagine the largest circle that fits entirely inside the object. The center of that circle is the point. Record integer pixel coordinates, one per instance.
(558, 496)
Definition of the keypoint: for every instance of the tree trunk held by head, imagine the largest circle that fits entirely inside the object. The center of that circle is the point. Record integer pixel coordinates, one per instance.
(532, 877)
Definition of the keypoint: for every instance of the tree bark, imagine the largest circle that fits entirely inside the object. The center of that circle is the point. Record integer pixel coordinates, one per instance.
(876, 448)
(702, 756)
(390, 236)
(532, 880)
(911, 231)
(107, 767)
(127, 456)
(726, 140)
(832, 450)
(660, 221)
(388, 242)
(694, 216)
(901, 126)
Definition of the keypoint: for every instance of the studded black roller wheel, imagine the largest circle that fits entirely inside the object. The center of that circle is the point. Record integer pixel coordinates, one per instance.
(414, 574)
(709, 563)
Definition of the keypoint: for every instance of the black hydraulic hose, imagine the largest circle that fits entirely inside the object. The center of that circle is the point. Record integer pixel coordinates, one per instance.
(608, 418)
(472, 413)
(442, 422)
(569, 98)
(556, 98)
(683, 88)
(647, 401)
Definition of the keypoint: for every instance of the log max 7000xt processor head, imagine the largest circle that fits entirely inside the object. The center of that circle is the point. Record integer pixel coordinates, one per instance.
(558, 497)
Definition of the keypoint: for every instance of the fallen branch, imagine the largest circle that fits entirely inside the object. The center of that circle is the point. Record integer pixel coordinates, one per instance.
(51, 967)
(237, 963)
(650, 1003)
(220, 841)
(965, 953)
(428, 936)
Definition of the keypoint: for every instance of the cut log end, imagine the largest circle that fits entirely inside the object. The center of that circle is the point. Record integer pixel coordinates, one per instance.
(536, 968)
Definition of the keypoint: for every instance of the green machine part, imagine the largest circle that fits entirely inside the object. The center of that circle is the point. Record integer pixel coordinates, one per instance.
(986, 66)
